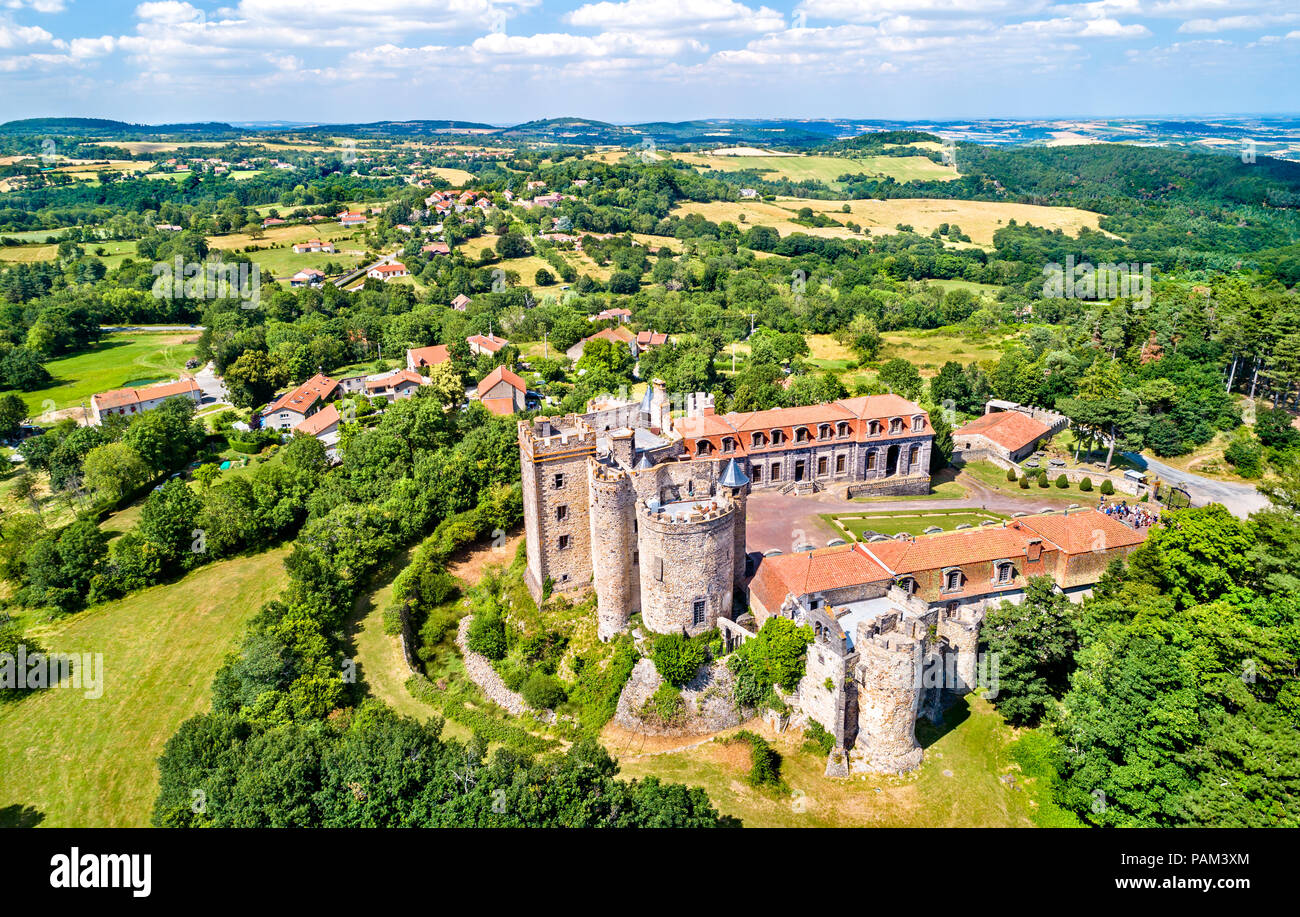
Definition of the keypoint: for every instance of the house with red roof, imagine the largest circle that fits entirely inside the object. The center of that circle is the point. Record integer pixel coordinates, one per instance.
(313, 245)
(502, 392)
(616, 335)
(130, 401)
(307, 277)
(1008, 435)
(488, 344)
(399, 383)
(417, 357)
(352, 218)
(388, 272)
(296, 405)
(460, 303)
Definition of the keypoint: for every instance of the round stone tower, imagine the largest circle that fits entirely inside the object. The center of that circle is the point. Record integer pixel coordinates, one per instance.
(687, 555)
(736, 483)
(889, 696)
(611, 513)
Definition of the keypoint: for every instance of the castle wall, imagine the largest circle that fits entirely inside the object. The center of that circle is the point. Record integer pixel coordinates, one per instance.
(553, 469)
(889, 698)
(835, 708)
(683, 563)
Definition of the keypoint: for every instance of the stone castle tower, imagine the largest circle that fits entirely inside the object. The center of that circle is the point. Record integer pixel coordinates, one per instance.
(653, 532)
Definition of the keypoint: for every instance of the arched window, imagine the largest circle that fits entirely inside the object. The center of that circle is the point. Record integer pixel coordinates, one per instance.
(918, 423)
(703, 447)
(729, 444)
(824, 431)
(758, 439)
(874, 428)
(1006, 572)
(801, 435)
(896, 425)
(842, 429)
(778, 437)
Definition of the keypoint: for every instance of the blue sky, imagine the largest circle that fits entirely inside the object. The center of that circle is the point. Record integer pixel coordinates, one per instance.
(504, 61)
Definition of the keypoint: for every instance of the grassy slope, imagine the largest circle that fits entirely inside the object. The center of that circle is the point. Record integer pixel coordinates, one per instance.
(112, 363)
(972, 748)
(92, 763)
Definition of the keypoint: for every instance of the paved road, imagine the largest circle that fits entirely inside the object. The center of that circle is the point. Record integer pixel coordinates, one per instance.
(1240, 499)
(214, 390)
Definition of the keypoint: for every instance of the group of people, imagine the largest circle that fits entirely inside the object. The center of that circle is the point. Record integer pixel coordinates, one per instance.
(1133, 516)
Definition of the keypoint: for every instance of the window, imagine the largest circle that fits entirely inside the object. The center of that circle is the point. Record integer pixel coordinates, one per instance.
(728, 444)
(697, 612)
(918, 423)
(824, 431)
(703, 447)
(564, 542)
(871, 460)
(776, 472)
(952, 580)
(839, 464)
(561, 513)
(913, 455)
(636, 555)
(801, 435)
(659, 569)
(778, 437)
(757, 472)
(758, 439)
(908, 585)
(874, 428)
(1005, 573)
(559, 481)
(842, 429)
(896, 425)
(821, 466)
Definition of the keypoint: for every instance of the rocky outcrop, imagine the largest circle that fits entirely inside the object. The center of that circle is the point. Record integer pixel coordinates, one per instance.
(481, 672)
(708, 702)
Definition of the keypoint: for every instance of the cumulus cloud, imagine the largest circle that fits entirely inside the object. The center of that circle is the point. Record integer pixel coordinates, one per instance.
(677, 16)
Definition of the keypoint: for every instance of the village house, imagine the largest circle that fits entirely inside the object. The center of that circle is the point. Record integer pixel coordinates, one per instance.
(622, 316)
(617, 335)
(399, 383)
(502, 392)
(1009, 435)
(296, 405)
(138, 400)
(489, 344)
(436, 248)
(460, 303)
(272, 221)
(352, 218)
(313, 245)
(388, 272)
(417, 357)
(647, 339)
(307, 277)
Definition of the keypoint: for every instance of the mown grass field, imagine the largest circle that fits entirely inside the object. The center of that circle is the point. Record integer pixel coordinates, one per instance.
(119, 359)
(93, 763)
(929, 350)
(967, 779)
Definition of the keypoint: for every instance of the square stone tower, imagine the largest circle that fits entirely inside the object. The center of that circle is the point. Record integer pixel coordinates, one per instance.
(553, 455)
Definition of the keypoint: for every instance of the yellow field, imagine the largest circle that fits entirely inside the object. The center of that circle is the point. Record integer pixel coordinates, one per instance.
(458, 177)
(820, 168)
(977, 219)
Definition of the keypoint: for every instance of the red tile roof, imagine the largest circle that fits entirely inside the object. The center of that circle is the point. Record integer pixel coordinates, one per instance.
(428, 356)
(318, 422)
(650, 338)
(502, 407)
(123, 397)
(1011, 430)
(501, 374)
(813, 571)
(490, 344)
(300, 400)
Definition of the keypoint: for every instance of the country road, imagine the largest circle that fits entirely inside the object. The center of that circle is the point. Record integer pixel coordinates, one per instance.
(1240, 499)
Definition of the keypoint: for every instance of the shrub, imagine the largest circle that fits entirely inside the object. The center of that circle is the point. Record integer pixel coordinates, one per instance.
(764, 760)
(1042, 480)
(816, 738)
(1107, 487)
(487, 636)
(1062, 482)
(1085, 485)
(665, 704)
(543, 691)
(677, 658)
(1011, 474)
(1024, 483)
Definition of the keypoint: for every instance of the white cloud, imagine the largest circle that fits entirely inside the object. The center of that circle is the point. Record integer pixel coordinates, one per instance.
(604, 45)
(677, 16)
(1237, 23)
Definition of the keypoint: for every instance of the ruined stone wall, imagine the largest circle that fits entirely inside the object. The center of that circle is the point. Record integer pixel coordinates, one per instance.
(835, 708)
(685, 562)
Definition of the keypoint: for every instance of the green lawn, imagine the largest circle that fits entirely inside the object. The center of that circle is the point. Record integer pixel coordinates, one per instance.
(894, 523)
(79, 762)
(967, 779)
(992, 476)
(118, 360)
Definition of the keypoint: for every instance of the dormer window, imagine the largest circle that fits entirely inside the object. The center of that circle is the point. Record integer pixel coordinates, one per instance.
(896, 425)
(758, 439)
(824, 431)
(728, 444)
(778, 437)
(918, 423)
(874, 428)
(801, 435)
(952, 580)
(703, 447)
(842, 429)
(907, 584)
(1005, 572)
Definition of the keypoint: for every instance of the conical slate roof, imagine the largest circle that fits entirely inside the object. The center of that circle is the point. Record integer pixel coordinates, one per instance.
(647, 400)
(644, 463)
(732, 476)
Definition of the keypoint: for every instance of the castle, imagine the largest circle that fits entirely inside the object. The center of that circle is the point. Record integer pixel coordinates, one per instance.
(650, 511)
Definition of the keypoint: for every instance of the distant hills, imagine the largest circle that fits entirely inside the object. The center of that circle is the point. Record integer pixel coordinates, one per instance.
(102, 126)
